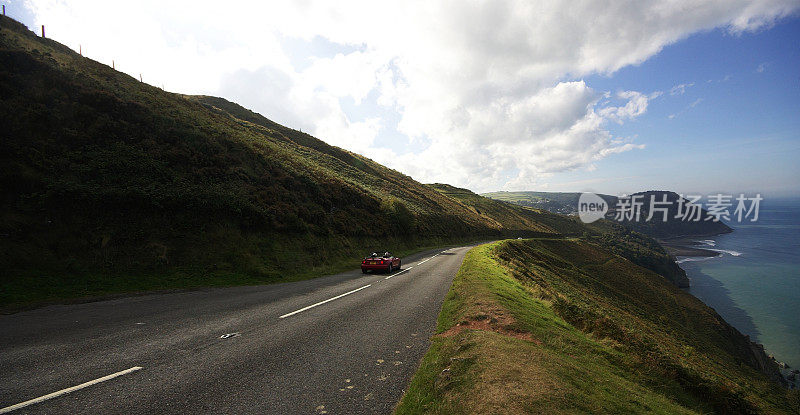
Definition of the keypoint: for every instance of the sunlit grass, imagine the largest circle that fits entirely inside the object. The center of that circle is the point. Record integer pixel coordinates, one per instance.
(566, 337)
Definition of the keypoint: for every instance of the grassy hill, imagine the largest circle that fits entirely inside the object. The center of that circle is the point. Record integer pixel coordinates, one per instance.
(567, 203)
(615, 237)
(524, 218)
(563, 326)
(558, 202)
(112, 185)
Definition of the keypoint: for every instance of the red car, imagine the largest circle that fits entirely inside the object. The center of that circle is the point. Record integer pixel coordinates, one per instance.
(380, 262)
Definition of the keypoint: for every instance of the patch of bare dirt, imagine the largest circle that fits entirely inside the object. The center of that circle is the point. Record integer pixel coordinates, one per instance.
(496, 321)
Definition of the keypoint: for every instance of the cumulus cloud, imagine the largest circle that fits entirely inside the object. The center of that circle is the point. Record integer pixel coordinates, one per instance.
(636, 106)
(489, 93)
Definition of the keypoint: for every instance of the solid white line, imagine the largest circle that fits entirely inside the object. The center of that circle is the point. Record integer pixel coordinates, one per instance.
(67, 390)
(323, 302)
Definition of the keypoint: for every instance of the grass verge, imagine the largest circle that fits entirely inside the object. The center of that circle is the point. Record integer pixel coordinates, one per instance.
(505, 345)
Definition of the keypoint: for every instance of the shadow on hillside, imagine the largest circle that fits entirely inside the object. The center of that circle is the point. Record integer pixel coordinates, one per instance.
(714, 294)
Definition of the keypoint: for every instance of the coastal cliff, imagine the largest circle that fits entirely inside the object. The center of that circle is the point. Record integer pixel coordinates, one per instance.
(763, 362)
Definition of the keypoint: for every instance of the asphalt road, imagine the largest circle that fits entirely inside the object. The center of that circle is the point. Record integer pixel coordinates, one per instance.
(351, 354)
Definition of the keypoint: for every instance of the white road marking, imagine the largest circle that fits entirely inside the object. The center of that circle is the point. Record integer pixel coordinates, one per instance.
(405, 270)
(67, 390)
(323, 302)
(350, 292)
(420, 263)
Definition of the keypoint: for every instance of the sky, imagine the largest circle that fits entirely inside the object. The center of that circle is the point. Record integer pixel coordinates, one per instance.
(698, 97)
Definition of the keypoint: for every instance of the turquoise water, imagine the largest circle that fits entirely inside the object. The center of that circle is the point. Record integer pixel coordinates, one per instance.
(755, 282)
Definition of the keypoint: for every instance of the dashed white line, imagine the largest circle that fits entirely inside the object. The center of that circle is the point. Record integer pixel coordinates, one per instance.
(420, 263)
(405, 270)
(67, 390)
(323, 302)
(135, 368)
(357, 289)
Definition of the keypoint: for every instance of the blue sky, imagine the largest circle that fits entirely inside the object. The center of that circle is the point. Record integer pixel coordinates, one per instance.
(618, 97)
(735, 129)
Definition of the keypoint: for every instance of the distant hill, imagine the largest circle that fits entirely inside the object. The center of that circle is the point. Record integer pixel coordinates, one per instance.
(567, 203)
(612, 236)
(672, 228)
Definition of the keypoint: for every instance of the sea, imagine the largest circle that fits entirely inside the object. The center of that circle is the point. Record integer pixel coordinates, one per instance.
(754, 282)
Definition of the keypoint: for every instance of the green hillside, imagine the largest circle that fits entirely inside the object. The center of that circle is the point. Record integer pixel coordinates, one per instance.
(113, 185)
(615, 237)
(563, 326)
(558, 202)
(513, 215)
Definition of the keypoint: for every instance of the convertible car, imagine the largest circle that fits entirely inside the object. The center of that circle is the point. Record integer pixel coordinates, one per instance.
(380, 262)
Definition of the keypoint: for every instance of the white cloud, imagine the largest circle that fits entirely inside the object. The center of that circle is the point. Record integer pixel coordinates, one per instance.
(636, 106)
(490, 93)
(687, 108)
(680, 89)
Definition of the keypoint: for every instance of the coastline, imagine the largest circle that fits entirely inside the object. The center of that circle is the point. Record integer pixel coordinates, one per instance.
(689, 246)
(677, 249)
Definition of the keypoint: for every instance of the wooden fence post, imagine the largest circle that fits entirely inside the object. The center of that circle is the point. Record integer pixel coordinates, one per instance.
(42, 31)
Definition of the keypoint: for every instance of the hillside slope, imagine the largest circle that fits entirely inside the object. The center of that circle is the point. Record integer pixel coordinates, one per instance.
(110, 184)
(615, 237)
(563, 326)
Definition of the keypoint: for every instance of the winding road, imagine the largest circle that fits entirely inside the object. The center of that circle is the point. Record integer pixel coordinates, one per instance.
(345, 343)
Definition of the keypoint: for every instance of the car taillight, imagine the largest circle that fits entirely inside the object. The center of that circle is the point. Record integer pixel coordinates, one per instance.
(381, 261)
